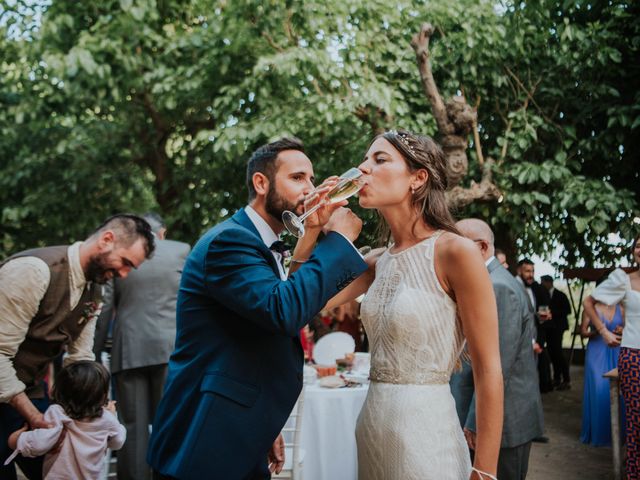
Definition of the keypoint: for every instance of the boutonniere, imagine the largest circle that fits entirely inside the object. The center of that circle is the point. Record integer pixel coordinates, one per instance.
(89, 311)
(286, 259)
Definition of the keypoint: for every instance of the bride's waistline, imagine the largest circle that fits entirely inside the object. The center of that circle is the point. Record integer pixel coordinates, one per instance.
(423, 378)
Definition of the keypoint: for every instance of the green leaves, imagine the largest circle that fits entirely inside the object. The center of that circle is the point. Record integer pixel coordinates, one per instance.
(139, 104)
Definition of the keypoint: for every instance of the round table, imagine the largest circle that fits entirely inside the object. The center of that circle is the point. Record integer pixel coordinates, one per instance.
(328, 432)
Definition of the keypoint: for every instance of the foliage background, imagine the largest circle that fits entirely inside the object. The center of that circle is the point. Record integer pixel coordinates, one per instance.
(131, 105)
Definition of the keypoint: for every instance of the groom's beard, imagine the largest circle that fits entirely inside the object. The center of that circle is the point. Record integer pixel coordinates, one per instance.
(276, 205)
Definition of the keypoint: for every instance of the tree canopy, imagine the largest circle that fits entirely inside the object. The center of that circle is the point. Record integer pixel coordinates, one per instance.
(131, 105)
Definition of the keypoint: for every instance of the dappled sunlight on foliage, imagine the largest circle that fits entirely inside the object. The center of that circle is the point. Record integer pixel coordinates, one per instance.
(156, 104)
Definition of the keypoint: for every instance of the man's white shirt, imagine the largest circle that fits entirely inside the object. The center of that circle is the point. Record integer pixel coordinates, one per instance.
(268, 236)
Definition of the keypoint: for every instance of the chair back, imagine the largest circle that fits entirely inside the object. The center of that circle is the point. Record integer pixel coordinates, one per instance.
(292, 434)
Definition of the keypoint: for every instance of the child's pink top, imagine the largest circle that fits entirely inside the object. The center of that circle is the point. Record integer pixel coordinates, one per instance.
(83, 448)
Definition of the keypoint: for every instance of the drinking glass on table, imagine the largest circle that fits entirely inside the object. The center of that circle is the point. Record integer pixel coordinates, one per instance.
(349, 183)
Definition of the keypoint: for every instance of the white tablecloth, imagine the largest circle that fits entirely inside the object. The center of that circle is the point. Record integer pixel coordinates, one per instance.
(328, 432)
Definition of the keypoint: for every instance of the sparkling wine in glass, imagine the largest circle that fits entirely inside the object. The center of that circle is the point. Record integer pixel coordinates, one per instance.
(349, 183)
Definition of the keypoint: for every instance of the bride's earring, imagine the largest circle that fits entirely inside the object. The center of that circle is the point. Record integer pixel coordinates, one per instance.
(413, 190)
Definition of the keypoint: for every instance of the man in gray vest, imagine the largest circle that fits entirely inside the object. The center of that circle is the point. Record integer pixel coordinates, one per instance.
(522, 403)
(49, 300)
(144, 330)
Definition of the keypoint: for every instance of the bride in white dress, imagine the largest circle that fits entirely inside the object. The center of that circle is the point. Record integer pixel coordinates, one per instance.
(428, 292)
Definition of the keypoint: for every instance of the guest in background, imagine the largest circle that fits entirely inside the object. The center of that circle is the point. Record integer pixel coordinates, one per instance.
(598, 360)
(523, 418)
(347, 317)
(502, 258)
(625, 288)
(560, 310)
(143, 308)
(320, 325)
(307, 343)
(540, 300)
(49, 300)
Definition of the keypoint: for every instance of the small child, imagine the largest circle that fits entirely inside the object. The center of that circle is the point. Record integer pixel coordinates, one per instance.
(90, 426)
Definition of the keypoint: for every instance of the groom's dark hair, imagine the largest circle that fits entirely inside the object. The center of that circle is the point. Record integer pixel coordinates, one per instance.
(263, 160)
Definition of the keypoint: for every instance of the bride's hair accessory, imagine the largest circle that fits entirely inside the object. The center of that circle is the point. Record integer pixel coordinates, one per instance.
(404, 138)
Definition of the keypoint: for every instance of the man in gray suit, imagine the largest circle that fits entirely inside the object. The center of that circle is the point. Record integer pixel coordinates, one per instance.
(522, 404)
(144, 329)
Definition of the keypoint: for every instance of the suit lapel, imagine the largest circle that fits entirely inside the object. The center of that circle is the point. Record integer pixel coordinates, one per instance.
(242, 219)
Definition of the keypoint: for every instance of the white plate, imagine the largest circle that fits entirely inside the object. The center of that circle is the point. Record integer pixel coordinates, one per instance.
(333, 346)
(331, 382)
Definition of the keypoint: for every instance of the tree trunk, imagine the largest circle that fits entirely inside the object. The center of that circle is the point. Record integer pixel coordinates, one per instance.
(455, 120)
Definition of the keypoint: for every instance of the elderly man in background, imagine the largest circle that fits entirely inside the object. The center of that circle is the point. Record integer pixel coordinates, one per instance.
(522, 404)
(49, 300)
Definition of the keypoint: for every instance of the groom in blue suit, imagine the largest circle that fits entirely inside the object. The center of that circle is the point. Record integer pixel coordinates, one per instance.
(236, 370)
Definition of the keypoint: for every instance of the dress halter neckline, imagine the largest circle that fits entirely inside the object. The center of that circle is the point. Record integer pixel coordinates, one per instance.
(433, 236)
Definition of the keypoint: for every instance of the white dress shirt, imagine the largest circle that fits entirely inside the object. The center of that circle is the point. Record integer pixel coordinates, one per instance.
(23, 283)
(268, 236)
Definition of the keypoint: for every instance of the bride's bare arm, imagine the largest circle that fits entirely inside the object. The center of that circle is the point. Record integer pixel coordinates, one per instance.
(466, 277)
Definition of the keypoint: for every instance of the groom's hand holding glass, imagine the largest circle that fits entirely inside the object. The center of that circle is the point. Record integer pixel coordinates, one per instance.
(318, 219)
(327, 216)
(342, 187)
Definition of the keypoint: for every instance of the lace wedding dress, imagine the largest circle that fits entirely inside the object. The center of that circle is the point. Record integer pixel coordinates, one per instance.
(408, 427)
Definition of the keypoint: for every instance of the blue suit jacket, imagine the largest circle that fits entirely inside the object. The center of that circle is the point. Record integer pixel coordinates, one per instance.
(236, 370)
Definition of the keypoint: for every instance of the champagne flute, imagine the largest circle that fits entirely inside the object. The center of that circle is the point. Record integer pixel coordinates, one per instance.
(349, 183)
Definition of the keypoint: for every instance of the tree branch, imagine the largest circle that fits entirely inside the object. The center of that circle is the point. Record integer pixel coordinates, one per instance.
(420, 44)
(288, 29)
(476, 135)
(316, 87)
(485, 191)
(372, 117)
(272, 42)
(503, 152)
(530, 95)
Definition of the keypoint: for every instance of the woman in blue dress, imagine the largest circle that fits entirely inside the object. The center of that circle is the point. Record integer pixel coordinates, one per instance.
(599, 359)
